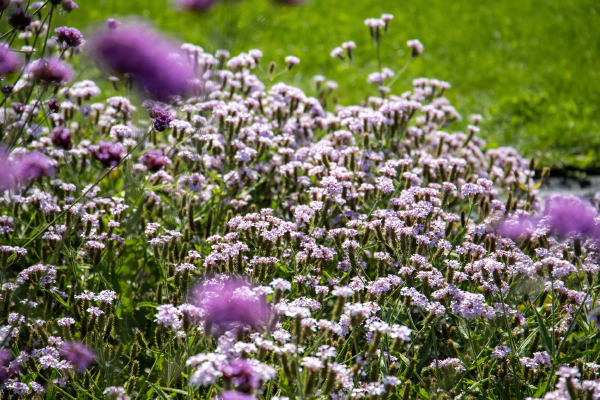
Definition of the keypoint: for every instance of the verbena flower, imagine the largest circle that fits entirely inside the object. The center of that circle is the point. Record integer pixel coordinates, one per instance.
(78, 354)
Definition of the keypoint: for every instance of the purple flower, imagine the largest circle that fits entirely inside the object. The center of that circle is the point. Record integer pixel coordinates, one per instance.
(50, 70)
(8, 60)
(32, 166)
(53, 105)
(78, 354)
(231, 395)
(233, 302)
(571, 215)
(61, 137)
(160, 118)
(154, 160)
(108, 153)
(242, 375)
(7, 369)
(19, 18)
(113, 23)
(69, 36)
(69, 5)
(201, 5)
(156, 64)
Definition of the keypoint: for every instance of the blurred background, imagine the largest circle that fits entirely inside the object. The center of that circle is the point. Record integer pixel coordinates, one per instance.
(530, 67)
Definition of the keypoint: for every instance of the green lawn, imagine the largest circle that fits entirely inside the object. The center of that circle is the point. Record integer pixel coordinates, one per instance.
(531, 67)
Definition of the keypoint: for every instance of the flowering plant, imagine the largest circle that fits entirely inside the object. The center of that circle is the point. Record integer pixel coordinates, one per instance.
(243, 240)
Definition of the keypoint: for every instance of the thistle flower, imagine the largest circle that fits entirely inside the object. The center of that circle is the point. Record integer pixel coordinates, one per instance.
(78, 354)
(156, 64)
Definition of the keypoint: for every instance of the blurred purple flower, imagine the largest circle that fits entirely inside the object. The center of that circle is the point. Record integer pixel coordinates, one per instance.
(8, 370)
(69, 5)
(160, 118)
(78, 354)
(154, 160)
(572, 214)
(157, 65)
(53, 105)
(61, 137)
(8, 60)
(241, 374)
(71, 37)
(201, 5)
(108, 153)
(230, 303)
(231, 395)
(19, 18)
(113, 23)
(50, 70)
(32, 166)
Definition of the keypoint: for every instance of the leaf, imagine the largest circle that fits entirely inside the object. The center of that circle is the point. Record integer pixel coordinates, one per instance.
(573, 357)
(423, 393)
(147, 304)
(160, 392)
(423, 354)
(175, 390)
(544, 333)
(159, 187)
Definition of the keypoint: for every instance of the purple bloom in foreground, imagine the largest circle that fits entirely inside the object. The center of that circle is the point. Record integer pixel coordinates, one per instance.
(230, 303)
(71, 37)
(6, 369)
(154, 160)
(231, 395)
(8, 60)
(108, 153)
(156, 64)
(572, 215)
(78, 354)
(201, 5)
(160, 118)
(50, 70)
(32, 166)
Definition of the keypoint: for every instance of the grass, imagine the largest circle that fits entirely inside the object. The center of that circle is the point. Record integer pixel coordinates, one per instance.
(532, 68)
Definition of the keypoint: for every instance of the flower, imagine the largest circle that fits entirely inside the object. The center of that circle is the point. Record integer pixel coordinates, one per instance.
(78, 354)
(61, 137)
(571, 214)
(154, 160)
(232, 395)
(116, 393)
(32, 166)
(230, 303)
(416, 47)
(50, 70)
(156, 64)
(20, 19)
(160, 118)
(8, 60)
(7, 368)
(71, 37)
(108, 153)
(198, 5)
(594, 317)
(69, 5)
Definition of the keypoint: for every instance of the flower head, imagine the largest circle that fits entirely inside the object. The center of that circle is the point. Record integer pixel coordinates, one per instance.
(50, 70)
(71, 37)
(108, 153)
(78, 354)
(8, 60)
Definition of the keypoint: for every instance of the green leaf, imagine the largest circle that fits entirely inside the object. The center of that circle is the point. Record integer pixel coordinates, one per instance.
(544, 333)
(159, 187)
(423, 393)
(160, 392)
(147, 304)
(175, 390)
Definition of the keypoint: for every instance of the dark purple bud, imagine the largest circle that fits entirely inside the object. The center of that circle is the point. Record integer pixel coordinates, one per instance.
(154, 160)
(18, 107)
(69, 5)
(160, 118)
(8, 60)
(78, 354)
(4, 4)
(50, 70)
(108, 153)
(19, 18)
(113, 23)
(71, 37)
(8, 89)
(61, 137)
(53, 105)
(56, 2)
(154, 63)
